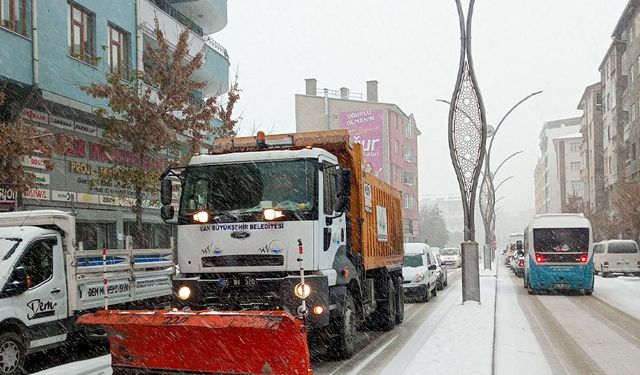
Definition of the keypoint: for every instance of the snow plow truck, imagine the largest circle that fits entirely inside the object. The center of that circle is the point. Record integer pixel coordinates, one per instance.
(285, 243)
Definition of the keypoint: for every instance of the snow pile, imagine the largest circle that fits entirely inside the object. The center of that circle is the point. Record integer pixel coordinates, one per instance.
(94, 366)
(621, 292)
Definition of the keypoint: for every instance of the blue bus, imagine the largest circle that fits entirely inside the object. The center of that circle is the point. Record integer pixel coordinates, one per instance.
(558, 254)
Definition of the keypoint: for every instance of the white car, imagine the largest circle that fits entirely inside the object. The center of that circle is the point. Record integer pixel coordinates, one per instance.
(616, 256)
(451, 256)
(419, 272)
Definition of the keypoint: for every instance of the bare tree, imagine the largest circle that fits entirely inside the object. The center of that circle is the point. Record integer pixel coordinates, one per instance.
(150, 111)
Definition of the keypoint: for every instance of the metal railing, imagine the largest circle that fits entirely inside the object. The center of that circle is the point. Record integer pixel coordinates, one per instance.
(336, 94)
(216, 46)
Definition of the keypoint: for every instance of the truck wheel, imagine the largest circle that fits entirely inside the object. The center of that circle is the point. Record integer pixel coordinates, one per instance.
(399, 302)
(12, 354)
(388, 312)
(343, 345)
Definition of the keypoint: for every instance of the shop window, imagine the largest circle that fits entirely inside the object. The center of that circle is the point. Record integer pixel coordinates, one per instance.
(96, 235)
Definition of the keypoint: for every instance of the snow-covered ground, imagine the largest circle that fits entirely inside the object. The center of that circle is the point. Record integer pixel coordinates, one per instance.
(622, 292)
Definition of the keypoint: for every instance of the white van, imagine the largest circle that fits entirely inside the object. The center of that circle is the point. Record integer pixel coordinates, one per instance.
(419, 271)
(616, 256)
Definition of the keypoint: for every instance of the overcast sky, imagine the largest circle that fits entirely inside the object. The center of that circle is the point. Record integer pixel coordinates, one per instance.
(412, 47)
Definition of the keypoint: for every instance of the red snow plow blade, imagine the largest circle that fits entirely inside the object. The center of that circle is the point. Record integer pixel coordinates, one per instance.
(204, 342)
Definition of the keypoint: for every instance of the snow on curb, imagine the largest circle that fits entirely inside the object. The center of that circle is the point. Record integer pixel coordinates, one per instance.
(94, 366)
(462, 343)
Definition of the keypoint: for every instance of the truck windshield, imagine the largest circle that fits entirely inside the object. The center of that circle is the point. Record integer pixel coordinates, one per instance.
(561, 240)
(7, 246)
(239, 192)
(414, 260)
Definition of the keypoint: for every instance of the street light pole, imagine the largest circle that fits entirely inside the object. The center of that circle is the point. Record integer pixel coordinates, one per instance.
(467, 140)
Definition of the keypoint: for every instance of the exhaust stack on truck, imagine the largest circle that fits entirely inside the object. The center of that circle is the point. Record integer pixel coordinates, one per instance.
(271, 228)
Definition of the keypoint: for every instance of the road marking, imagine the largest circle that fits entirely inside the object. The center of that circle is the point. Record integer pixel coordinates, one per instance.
(372, 356)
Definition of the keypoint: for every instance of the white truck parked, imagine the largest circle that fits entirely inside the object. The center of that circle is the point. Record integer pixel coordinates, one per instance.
(47, 281)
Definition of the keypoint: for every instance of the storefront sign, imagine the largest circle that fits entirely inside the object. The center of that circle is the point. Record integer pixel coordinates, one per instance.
(85, 129)
(365, 127)
(62, 196)
(109, 200)
(381, 220)
(35, 116)
(82, 168)
(78, 149)
(87, 198)
(34, 162)
(62, 122)
(38, 194)
(8, 195)
(42, 178)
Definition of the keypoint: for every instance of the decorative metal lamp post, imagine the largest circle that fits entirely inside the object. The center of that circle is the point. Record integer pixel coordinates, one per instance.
(467, 136)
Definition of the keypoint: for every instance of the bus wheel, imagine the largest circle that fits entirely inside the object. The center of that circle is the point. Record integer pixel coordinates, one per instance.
(588, 292)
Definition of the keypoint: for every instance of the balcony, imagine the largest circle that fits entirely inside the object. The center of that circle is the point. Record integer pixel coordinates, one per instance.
(215, 69)
(210, 15)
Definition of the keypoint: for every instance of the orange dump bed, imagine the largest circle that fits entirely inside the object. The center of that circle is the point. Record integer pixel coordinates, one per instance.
(378, 238)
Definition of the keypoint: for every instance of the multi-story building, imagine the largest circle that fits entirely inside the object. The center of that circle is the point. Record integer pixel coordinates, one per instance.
(568, 153)
(387, 133)
(592, 169)
(48, 51)
(613, 83)
(565, 150)
(539, 182)
(627, 33)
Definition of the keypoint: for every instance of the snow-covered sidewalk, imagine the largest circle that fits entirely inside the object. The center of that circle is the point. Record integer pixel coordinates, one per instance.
(621, 292)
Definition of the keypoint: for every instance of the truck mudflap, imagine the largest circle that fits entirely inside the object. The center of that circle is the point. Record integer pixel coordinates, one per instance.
(205, 342)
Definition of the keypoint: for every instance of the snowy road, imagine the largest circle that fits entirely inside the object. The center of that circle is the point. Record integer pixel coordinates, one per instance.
(584, 334)
(386, 350)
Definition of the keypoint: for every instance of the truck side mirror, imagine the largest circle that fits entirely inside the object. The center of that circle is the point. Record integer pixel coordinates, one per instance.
(344, 190)
(165, 191)
(18, 283)
(167, 212)
(433, 267)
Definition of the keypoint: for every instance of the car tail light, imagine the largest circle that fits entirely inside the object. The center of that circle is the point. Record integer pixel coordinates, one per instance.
(539, 258)
(521, 263)
(584, 258)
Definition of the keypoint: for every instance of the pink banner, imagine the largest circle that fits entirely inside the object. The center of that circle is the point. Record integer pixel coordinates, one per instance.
(365, 127)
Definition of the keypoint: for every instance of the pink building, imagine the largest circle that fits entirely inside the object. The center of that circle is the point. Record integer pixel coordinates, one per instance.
(387, 133)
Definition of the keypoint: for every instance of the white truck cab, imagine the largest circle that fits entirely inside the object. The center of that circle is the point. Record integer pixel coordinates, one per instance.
(46, 281)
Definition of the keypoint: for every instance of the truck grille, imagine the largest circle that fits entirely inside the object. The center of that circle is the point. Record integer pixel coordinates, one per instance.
(243, 261)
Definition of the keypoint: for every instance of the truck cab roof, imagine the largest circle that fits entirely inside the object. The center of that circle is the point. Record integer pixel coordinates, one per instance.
(252, 156)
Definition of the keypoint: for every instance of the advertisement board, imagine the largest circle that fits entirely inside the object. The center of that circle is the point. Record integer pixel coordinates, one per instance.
(365, 127)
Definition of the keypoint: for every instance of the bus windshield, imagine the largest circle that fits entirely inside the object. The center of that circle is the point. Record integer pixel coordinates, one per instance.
(561, 240)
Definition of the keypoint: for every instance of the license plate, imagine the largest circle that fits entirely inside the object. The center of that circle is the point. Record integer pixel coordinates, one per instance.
(563, 286)
(236, 282)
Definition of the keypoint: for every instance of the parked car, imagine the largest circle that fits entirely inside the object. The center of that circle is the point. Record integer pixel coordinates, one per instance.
(419, 272)
(451, 256)
(436, 253)
(441, 272)
(616, 256)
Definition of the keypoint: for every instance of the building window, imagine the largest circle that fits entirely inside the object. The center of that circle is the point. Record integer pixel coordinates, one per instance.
(633, 111)
(574, 146)
(396, 146)
(631, 73)
(81, 33)
(408, 130)
(408, 154)
(13, 15)
(118, 52)
(575, 166)
(407, 225)
(598, 101)
(407, 178)
(409, 202)
(633, 151)
(576, 187)
(631, 34)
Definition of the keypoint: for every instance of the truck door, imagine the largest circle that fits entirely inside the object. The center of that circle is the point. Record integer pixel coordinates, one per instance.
(44, 303)
(333, 230)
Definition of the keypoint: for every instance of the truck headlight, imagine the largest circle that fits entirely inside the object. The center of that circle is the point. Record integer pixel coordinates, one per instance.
(302, 291)
(418, 278)
(184, 292)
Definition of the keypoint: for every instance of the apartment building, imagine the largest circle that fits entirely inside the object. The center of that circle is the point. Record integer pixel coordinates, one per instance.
(560, 149)
(387, 133)
(592, 168)
(48, 49)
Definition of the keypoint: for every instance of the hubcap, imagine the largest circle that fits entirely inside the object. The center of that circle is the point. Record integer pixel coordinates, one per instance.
(9, 356)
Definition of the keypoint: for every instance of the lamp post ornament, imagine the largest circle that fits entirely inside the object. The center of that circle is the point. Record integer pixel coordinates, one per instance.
(467, 137)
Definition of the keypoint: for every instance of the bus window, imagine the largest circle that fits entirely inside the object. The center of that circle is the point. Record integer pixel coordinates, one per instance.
(561, 240)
